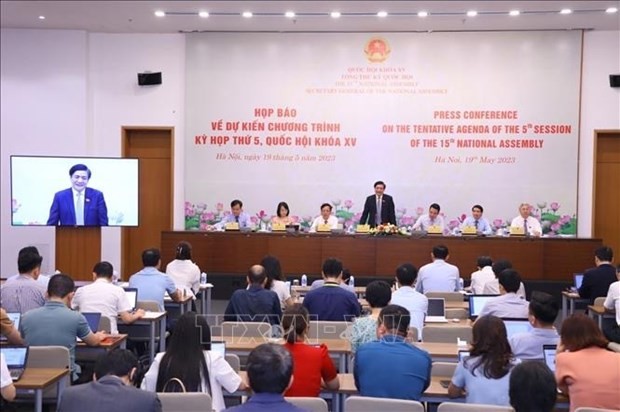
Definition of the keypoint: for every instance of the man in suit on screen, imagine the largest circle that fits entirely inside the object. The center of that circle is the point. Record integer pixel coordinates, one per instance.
(79, 205)
(379, 208)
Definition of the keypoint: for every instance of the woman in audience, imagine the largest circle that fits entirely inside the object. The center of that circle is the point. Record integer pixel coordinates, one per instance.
(483, 376)
(311, 363)
(584, 369)
(184, 272)
(378, 295)
(189, 359)
(282, 214)
(275, 280)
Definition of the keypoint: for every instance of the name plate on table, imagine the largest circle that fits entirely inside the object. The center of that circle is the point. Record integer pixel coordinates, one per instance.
(231, 226)
(324, 228)
(434, 230)
(469, 231)
(362, 229)
(278, 227)
(516, 231)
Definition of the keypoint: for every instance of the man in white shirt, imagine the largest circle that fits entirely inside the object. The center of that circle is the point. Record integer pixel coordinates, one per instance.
(326, 218)
(492, 286)
(531, 226)
(102, 296)
(431, 219)
(543, 310)
(483, 275)
(439, 276)
(611, 327)
(508, 304)
(407, 297)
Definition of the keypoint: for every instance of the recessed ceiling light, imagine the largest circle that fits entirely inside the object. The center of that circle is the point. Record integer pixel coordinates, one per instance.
(566, 11)
(290, 14)
(41, 17)
(247, 14)
(514, 12)
(335, 14)
(382, 14)
(160, 13)
(422, 13)
(472, 13)
(204, 14)
(612, 10)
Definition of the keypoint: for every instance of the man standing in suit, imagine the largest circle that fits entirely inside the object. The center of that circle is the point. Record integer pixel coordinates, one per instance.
(596, 281)
(379, 208)
(79, 205)
(112, 388)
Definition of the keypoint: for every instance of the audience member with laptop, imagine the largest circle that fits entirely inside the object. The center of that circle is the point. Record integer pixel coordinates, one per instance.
(151, 283)
(9, 327)
(596, 281)
(406, 296)
(24, 293)
(438, 276)
(542, 311)
(492, 286)
(508, 304)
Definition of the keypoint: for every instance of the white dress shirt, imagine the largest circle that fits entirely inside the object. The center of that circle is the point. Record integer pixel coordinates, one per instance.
(425, 221)
(415, 302)
(102, 297)
(533, 225)
(508, 305)
(439, 276)
(5, 375)
(185, 274)
(479, 278)
(612, 301)
(492, 288)
(332, 221)
(75, 200)
(282, 291)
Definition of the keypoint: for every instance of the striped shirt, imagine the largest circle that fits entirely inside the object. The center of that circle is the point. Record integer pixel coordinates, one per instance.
(22, 294)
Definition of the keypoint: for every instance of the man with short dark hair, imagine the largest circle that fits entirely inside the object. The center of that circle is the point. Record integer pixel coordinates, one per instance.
(151, 283)
(543, 310)
(410, 299)
(325, 218)
(330, 301)
(112, 388)
(596, 281)
(236, 215)
(508, 304)
(25, 292)
(270, 374)
(492, 286)
(392, 367)
(55, 324)
(378, 208)
(254, 304)
(102, 296)
(431, 219)
(483, 275)
(476, 221)
(532, 388)
(438, 276)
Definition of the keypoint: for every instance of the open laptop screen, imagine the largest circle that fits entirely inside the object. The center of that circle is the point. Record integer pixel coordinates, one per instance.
(514, 326)
(219, 347)
(549, 356)
(436, 307)
(463, 354)
(132, 296)
(578, 279)
(15, 357)
(15, 318)
(93, 320)
(477, 302)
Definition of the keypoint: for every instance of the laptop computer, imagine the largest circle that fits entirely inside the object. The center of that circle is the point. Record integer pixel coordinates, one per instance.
(463, 354)
(16, 358)
(514, 326)
(132, 296)
(93, 320)
(549, 356)
(578, 277)
(219, 347)
(477, 302)
(436, 311)
(15, 318)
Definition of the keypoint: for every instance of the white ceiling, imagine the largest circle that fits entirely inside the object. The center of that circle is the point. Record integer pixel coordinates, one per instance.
(312, 16)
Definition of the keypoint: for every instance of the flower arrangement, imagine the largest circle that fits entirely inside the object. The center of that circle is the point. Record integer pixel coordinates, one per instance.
(198, 218)
(552, 222)
(386, 229)
(343, 213)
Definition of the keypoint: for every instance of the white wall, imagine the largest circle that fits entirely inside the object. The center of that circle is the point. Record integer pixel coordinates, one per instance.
(600, 109)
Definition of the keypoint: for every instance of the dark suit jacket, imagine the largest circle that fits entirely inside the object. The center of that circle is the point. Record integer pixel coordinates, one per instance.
(388, 215)
(62, 211)
(106, 395)
(255, 304)
(596, 282)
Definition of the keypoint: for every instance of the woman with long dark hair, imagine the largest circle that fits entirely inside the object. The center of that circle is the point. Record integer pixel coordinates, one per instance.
(188, 360)
(184, 272)
(483, 377)
(275, 280)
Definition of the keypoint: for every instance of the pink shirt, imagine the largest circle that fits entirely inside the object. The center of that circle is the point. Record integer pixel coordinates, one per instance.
(592, 376)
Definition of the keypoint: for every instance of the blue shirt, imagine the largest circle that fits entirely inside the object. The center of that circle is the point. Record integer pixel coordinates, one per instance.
(480, 389)
(392, 368)
(255, 304)
(152, 285)
(529, 345)
(438, 276)
(272, 402)
(483, 225)
(244, 220)
(331, 302)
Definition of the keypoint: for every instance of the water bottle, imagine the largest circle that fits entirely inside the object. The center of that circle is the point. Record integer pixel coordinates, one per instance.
(461, 284)
(203, 278)
(304, 280)
(352, 281)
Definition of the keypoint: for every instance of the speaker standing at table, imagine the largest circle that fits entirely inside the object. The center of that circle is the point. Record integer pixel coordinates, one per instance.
(379, 208)
(79, 205)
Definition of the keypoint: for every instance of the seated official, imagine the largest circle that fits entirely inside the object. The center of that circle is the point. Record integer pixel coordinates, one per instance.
(596, 281)
(532, 388)
(584, 369)
(282, 215)
(438, 276)
(270, 374)
(189, 358)
(7, 389)
(24, 293)
(611, 327)
(276, 281)
(392, 367)
(543, 310)
(326, 218)
(8, 329)
(409, 298)
(483, 275)
(508, 304)
(236, 215)
(491, 287)
(530, 225)
(55, 324)
(312, 366)
(151, 283)
(483, 376)
(431, 219)
(330, 301)
(184, 272)
(112, 388)
(255, 304)
(344, 282)
(378, 295)
(476, 221)
(102, 296)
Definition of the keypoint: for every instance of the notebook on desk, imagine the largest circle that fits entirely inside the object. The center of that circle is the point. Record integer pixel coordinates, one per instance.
(16, 358)
(436, 311)
(477, 302)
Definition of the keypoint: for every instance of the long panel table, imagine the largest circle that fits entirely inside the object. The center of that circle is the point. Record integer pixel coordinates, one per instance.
(544, 259)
